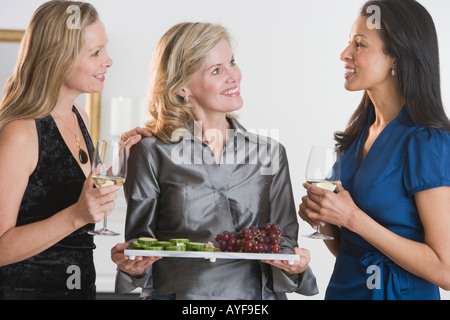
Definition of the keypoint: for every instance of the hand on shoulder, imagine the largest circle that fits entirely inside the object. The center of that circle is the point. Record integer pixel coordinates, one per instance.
(133, 136)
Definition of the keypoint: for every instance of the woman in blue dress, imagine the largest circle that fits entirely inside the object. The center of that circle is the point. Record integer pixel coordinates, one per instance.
(391, 216)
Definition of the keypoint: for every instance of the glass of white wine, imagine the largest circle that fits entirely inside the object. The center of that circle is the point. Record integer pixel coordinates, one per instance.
(324, 171)
(109, 167)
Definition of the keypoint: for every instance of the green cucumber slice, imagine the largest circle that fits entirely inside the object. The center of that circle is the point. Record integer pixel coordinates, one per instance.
(154, 248)
(136, 245)
(195, 246)
(147, 241)
(176, 248)
(164, 244)
(176, 241)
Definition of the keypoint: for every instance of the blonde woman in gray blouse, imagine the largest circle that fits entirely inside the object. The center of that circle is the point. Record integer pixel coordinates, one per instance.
(202, 173)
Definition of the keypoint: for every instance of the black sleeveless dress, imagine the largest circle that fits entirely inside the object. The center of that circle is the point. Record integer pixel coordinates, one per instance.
(65, 270)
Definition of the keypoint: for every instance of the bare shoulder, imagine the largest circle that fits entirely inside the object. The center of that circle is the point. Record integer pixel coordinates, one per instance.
(19, 143)
(19, 131)
(19, 153)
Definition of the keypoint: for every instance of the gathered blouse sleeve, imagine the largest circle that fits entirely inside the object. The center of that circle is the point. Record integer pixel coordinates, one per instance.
(428, 161)
(282, 211)
(142, 195)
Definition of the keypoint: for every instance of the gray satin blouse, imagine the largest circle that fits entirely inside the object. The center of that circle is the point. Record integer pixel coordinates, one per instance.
(179, 191)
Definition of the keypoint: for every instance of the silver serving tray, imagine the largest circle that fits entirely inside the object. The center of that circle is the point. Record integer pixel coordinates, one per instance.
(212, 256)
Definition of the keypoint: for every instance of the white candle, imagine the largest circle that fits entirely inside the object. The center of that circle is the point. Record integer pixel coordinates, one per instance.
(143, 112)
(121, 114)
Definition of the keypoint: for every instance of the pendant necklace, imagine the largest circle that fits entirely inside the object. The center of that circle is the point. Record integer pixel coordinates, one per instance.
(82, 155)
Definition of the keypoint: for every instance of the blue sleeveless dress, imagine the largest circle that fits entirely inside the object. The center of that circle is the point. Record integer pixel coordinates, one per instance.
(405, 159)
(55, 184)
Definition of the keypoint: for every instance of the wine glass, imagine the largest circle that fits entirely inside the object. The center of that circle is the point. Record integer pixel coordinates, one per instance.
(109, 167)
(324, 171)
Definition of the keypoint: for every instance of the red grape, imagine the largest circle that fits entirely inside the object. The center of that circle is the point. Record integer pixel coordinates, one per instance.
(263, 239)
(226, 235)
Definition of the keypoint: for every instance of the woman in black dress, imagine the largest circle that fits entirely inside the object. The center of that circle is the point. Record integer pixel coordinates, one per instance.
(48, 202)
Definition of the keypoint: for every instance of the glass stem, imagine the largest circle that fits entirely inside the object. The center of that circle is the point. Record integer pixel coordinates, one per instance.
(318, 228)
(105, 222)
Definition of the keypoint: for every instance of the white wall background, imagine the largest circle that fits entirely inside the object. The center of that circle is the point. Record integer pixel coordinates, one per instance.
(288, 51)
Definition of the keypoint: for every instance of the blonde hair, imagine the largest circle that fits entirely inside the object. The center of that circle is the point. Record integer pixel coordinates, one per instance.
(48, 50)
(178, 56)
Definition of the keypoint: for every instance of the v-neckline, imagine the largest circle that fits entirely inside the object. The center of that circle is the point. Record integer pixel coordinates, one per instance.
(67, 147)
(375, 143)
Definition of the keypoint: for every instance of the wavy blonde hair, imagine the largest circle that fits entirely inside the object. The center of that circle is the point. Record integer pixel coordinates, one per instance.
(48, 50)
(178, 56)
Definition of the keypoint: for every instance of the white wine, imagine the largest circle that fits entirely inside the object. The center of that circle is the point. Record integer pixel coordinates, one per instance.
(101, 181)
(325, 184)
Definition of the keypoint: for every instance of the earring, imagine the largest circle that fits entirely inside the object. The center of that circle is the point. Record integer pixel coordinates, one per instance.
(186, 99)
(393, 72)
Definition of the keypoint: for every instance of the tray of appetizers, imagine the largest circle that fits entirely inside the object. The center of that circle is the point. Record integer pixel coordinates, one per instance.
(182, 248)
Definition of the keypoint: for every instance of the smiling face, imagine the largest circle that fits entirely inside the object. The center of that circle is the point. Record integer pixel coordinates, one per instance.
(367, 67)
(88, 73)
(215, 88)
